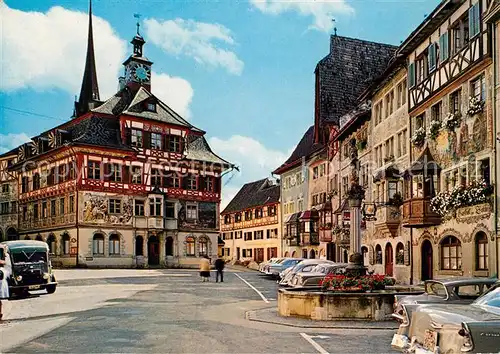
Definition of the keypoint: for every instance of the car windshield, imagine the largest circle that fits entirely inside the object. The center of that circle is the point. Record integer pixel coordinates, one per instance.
(490, 298)
(436, 289)
(29, 257)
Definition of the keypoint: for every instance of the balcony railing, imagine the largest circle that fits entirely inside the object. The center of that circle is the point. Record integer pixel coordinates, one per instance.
(417, 212)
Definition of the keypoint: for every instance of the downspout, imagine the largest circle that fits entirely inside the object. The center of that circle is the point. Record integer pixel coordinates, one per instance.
(496, 85)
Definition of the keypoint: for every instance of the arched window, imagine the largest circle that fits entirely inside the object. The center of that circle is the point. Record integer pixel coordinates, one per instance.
(481, 251)
(400, 254)
(114, 245)
(451, 253)
(294, 254)
(65, 244)
(51, 241)
(98, 245)
(190, 246)
(378, 254)
(12, 234)
(287, 254)
(312, 254)
(203, 247)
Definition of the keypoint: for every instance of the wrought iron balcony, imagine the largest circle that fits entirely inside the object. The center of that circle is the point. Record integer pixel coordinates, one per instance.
(417, 213)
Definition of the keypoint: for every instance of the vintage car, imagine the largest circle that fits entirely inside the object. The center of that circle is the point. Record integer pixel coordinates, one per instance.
(276, 268)
(263, 265)
(30, 267)
(316, 275)
(307, 265)
(454, 328)
(455, 290)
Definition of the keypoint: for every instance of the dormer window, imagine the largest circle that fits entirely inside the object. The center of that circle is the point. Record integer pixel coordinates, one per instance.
(151, 106)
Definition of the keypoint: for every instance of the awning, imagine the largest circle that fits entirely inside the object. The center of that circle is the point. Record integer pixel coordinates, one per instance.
(388, 172)
(292, 218)
(424, 165)
(309, 214)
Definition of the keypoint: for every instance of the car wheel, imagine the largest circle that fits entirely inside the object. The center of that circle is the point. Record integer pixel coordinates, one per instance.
(51, 289)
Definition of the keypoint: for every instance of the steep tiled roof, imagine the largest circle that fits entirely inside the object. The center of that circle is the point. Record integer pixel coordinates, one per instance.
(123, 102)
(346, 71)
(305, 148)
(254, 194)
(199, 150)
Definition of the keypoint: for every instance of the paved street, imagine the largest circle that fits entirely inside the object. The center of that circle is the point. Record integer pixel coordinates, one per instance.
(166, 311)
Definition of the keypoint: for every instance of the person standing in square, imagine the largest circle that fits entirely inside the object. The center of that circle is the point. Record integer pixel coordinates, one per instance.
(219, 267)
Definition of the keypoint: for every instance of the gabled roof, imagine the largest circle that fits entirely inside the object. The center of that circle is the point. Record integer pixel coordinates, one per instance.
(124, 102)
(199, 150)
(346, 72)
(254, 194)
(305, 148)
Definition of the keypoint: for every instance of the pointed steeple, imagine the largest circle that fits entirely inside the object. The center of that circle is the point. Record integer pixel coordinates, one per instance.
(89, 93)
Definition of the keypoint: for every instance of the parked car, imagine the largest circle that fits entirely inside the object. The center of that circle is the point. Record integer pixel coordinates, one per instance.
(455, 290)
(454, 327)
(317, 274)
(263, 265)
(30, 267)
(304, 266)
(276, 268)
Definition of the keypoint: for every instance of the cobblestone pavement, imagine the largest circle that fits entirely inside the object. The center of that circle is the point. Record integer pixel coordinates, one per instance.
(166, 311)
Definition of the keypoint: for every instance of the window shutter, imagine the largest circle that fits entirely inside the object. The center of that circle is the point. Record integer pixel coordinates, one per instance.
(147, 140)
(432, 57)
(128, 136)
(126, 173)
(202, 183)
(443, 47)
(411, 75)
(474, 18)
(217, 185)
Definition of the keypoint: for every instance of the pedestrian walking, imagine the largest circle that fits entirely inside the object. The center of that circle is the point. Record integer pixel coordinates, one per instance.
(219, 267)
(4, 274)
(205, 269)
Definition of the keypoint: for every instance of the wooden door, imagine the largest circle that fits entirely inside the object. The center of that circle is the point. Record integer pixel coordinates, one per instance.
(427, 260)
(389, 260)
(153, 251)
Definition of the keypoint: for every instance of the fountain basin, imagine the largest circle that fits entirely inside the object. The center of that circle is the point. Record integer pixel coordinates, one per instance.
(315, 304)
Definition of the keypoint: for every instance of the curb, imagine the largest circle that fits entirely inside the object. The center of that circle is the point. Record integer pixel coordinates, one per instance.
(251, 316)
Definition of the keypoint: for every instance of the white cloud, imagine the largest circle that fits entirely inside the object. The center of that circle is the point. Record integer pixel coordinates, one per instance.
(10, 141)
(199, 40)
(254, 160)
(176, 92)
(47, 51)
(322, 11)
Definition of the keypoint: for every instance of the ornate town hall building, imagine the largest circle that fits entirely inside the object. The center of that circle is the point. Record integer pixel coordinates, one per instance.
(125, 182)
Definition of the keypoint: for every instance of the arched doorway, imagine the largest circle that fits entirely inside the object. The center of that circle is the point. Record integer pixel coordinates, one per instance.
(51, 241)
(12, 234)
(312, 254)
(139, 246)
(346, 256)
(331, 252)
(427, 261)
(153, 251)
(169, 247)
(389, 260)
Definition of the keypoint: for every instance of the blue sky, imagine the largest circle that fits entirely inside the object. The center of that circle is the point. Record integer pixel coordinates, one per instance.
(242, 71)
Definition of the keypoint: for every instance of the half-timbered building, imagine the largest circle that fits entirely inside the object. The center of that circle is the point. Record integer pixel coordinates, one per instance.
(8, 198)
(251, 223)
(448, 185)
(126, 182)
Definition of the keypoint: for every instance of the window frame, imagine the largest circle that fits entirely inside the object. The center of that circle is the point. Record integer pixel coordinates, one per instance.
(156, 141)
(136, 138)
(114, 245)
(446, 246)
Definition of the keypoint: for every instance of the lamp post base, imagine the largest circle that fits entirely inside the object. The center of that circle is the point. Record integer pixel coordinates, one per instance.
(356, 267)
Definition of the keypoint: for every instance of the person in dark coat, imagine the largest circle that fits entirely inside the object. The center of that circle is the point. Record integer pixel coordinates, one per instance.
(219, 267)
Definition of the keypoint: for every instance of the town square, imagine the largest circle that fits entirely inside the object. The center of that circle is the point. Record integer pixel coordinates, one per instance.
(231, 177)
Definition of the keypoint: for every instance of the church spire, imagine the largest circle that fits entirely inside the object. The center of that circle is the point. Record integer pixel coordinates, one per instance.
(89, 93)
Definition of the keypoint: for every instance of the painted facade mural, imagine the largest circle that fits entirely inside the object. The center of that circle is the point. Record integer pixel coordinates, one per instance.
(96, 209)
(207, 216)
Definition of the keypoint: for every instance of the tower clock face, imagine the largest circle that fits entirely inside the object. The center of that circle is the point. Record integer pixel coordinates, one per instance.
(141, 73)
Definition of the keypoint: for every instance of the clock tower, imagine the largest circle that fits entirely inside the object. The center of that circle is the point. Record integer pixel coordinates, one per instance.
(137, 66)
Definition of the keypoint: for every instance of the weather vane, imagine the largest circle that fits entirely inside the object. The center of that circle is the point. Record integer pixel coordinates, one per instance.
(334, 28)
(138, 16)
